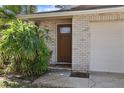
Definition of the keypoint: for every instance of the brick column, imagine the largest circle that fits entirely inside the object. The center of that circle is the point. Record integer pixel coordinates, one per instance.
(80, 45)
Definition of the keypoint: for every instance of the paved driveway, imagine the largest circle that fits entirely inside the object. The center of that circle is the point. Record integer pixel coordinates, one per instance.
(107, 80)
(97, 80)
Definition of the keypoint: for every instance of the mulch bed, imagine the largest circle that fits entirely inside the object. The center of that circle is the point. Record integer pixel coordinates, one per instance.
(19, 78)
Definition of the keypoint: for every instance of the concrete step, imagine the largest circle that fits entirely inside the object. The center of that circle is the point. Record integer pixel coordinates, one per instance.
(59, 68)
(63, 63)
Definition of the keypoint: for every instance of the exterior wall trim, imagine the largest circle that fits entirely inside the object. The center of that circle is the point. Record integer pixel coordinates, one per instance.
(103, 16)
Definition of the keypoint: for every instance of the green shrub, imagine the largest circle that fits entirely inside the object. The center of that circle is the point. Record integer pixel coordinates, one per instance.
(25, 46)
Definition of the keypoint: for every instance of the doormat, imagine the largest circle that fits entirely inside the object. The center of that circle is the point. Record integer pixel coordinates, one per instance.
(79, 74)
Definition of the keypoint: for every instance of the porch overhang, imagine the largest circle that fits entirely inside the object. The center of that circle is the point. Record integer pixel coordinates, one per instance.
(69, 14)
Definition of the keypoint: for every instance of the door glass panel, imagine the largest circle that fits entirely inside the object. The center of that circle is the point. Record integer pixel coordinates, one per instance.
(65, 29)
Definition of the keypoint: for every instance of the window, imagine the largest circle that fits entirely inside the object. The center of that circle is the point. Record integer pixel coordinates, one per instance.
(65, 30)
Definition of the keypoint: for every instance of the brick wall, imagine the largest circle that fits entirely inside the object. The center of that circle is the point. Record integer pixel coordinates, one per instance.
(80, 36)
(80, 44)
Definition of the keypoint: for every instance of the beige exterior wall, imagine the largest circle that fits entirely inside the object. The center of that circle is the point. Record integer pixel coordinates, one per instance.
(103, 16)
(51, 24)
(80, 36)
(80, 44)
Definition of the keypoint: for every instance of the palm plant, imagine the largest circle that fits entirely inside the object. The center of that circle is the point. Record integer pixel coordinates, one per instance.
(26, 48)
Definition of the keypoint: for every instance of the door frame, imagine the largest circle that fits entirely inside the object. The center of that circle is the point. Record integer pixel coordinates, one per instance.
(62, 25)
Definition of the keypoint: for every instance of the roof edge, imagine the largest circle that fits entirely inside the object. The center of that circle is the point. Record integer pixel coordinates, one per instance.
(70, 13)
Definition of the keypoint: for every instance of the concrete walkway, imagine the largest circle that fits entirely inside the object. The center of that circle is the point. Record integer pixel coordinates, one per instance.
(61, 79)
(97, 80)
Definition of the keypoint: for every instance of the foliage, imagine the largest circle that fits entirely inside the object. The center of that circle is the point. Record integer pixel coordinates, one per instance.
(28, 9)
(5, 16)
(25, 47)
(9, 12)
(13, 8)
(18, 9)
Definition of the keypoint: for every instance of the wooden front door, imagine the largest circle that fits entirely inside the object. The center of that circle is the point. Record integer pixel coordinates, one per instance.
(64, 43)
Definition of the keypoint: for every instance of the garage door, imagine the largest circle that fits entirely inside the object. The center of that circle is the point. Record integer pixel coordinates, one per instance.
(107, 46)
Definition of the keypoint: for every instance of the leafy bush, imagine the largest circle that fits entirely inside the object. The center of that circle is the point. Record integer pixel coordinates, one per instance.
(25, 46)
